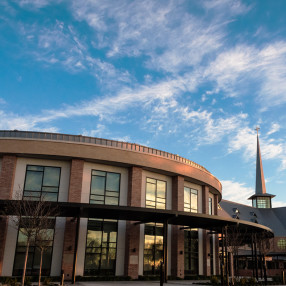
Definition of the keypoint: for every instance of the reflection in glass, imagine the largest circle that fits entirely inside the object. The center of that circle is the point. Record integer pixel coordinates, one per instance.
(42, 183)
(191, 251)
(33, 263)
(153, 248)
(190, 200)
(105, 188)
(155, 194)
(101, 243)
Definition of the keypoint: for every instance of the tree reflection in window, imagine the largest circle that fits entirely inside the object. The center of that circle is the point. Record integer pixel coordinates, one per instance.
(153, 248)
(191, 251)
(101, 241)
(33, 263)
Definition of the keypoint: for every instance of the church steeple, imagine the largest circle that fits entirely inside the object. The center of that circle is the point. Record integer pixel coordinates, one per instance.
(260, 199)
(260, 182)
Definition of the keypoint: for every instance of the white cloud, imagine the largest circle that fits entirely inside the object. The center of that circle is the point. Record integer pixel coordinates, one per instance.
(275, 127)
(171, 37)
(35, 3)
(236, 192)
(237, 69)
(278, 204)
(245, 139)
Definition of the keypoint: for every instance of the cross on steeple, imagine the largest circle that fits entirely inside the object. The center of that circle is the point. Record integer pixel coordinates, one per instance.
(257, 129)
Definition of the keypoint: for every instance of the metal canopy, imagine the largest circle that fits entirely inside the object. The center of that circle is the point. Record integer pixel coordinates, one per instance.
(144, 215)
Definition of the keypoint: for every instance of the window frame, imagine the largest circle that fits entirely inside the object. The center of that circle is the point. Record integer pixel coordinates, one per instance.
(188, 205)
(156, 197)
(105, 190)
(42, 186)
(99, 271)
(34, 247)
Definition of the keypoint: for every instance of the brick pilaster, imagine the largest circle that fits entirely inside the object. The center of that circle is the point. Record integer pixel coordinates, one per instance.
(177, 242)
(132, 238)
(6, 190)
(7, 176)
(75, 190)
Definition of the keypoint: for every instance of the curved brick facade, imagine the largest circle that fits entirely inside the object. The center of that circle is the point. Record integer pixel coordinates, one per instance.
(135, 164)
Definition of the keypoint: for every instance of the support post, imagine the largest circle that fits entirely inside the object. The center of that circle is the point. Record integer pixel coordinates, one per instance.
(226, 258)
(165, 241)
(222, 257)
(252, 255)
(255, 254)
(75, 250)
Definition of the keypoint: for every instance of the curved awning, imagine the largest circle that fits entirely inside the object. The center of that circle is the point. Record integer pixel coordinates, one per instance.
(144, 215)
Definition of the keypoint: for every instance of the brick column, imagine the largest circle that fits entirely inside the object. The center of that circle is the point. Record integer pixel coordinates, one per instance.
(206, 238)
(75, 189)
(177, 242)
(6, 190)
(132, 238)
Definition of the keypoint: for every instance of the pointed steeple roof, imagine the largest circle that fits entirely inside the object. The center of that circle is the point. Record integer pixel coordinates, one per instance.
(260, 181)
(260, 189)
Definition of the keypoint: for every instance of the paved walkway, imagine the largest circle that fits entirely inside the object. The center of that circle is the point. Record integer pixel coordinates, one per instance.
(141, 283)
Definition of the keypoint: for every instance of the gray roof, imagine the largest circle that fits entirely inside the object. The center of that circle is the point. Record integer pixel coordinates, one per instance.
(273, 218)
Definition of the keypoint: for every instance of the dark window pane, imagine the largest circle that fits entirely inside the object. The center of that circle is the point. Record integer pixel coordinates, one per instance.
(50, 189)
(51, 197)
(112, 182)
(35, 168)
(98, 185)
(33, 181)
(98, 173)
(51, 177)
(111, 201)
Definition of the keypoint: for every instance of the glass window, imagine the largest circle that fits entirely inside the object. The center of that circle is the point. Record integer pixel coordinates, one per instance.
(191, 251)
(153, 248)
(190, 200)
(101, 242)
(155, 194)
(42, 183)
(105, 187)
(33, 263)
(281, 243)
(263, 202)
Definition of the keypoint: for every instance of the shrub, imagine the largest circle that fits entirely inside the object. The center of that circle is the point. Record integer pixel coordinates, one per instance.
(214, 280)
(47, 281)
(28, 281)
(243, 281)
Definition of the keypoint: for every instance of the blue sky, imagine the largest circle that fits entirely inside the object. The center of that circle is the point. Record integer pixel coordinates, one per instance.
(191, 77)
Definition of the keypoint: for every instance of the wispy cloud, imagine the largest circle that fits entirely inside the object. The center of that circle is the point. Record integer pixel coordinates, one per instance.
(245, 140)
(170, 37)
(236, 70)
(275, 127)
(236, 191)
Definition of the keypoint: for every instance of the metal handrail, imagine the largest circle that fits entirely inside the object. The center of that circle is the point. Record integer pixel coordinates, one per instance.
(97, 141)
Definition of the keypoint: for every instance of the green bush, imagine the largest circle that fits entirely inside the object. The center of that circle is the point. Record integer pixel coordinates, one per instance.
(10, 281)
(251, 281)
(47, 280)
(28, 281)
(214, 280)
(243, 281)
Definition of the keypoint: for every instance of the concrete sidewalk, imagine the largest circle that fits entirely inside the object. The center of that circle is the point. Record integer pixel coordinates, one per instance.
(141, 283)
